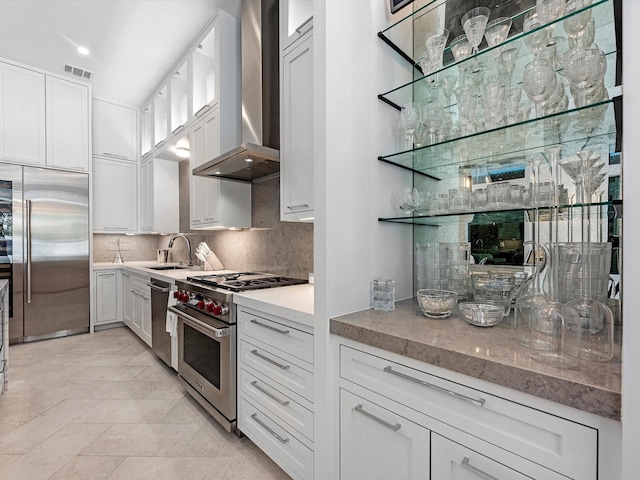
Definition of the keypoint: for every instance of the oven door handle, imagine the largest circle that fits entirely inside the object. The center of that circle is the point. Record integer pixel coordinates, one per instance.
(194, 322)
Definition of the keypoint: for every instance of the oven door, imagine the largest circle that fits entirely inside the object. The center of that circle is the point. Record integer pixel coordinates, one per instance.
(207, 360)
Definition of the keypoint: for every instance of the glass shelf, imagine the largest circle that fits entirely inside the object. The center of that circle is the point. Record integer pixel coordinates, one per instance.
(614, 209)
(513, 144)
(433, 13)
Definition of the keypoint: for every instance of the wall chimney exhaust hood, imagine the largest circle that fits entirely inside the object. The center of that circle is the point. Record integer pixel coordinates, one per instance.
(258, 158)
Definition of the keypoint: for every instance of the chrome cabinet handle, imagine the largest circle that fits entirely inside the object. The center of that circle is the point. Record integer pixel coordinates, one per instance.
(159, 289)
(266, 427)
(303, 25)
(269, 394)
(202, 110)
(284, 332)
(465, 463)
(273, 362)
(28, 212)
(479, 401)
(302, 205)
(358, 408)
(115, 155)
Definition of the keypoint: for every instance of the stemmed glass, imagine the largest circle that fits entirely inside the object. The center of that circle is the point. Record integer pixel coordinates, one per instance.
(474, 23)
(432, 118)
(435, 42)
(497, 32)
(536, 40)
(467, 102)
(584, 69)
(575, 25)
(461, 49)
(410, 118)
(507, 63)
(492, 102)
(539, 82)
(448, 85)
(408, 200)
(550, 10)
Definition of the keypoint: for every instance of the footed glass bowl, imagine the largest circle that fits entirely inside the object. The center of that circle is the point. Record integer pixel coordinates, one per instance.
(436, 303)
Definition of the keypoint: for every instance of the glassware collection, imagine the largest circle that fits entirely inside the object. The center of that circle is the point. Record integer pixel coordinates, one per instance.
(477, 115)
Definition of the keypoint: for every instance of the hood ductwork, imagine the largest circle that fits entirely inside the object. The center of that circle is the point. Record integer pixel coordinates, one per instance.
(258, 157)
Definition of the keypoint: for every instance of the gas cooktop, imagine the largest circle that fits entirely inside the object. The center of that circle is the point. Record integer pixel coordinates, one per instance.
(240, 282)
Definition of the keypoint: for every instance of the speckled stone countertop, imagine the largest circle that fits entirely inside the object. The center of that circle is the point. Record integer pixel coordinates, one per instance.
(486, 353)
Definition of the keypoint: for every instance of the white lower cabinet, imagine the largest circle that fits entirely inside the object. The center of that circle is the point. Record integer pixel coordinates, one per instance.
(376, 443)
(275, 389)
(474, 434)
(137, 305)
(108, 297)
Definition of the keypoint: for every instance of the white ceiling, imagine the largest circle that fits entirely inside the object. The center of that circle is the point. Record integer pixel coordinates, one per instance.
(133, 43)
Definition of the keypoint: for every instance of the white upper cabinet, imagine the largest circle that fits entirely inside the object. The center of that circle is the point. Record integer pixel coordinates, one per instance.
(159, 199)
(296, 19)
(114, 195)
(296, 132)
(146, 128)
(67, 122)
(179, 97)
(215, 65)
(114, 131)
(161, 116)
(22, 115)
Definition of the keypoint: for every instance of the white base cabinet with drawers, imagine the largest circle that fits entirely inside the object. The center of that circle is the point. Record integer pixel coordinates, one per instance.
(136, 312)
(400, 418)
(275, 388)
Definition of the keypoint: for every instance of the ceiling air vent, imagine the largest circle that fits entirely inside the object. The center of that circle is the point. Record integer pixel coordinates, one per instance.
(77, 71)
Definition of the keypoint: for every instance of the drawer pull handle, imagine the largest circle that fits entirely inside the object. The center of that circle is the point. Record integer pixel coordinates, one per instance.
(263, 425)
(284, 332)
(465, 463)
(358, 408)
(478, 401)
(284, 403)
(273, 362)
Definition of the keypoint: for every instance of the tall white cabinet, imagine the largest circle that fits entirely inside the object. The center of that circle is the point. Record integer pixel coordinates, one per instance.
(296, 109)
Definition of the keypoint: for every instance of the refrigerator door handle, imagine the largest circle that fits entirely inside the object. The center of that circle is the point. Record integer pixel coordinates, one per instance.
(28, 232)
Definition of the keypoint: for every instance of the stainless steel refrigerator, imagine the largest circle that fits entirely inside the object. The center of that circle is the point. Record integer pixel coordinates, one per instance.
(44, 251)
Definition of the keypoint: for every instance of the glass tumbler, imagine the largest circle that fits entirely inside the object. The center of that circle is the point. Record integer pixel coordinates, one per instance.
(495, 289)
(459, 199)
(498, 195)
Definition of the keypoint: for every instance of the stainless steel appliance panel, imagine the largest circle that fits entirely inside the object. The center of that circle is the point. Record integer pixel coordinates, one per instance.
(160, 338)
(56, 246)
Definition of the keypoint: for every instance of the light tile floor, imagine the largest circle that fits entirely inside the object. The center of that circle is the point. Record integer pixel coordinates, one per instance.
(103, 407)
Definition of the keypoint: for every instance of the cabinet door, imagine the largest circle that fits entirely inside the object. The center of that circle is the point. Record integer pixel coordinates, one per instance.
(146, 196)
(296, 18)
(22, 122)
(114, 195)
(114, 130)
(145, 320)
(205, 192)
(375, 443)
(107, 297)
(452, 461)
(296, 153)
(146, 128)
(67, 122)
(127, 307)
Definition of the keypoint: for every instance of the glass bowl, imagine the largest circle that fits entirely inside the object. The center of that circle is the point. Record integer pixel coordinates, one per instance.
(436, 303)
(481, 314)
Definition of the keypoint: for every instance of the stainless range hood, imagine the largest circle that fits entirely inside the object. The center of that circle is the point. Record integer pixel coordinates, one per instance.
(258, 157)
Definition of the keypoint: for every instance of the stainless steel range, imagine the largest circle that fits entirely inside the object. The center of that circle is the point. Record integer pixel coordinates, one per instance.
(207, 336)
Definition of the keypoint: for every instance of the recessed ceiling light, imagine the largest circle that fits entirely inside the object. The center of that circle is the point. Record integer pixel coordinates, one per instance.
(248, 160)
(218, 172)
(83, 50)
(182, 152)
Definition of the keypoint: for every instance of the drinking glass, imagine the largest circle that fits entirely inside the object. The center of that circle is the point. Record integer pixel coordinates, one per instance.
(550, 10)
(448, 85)
(467, 102)
(492, 101)
(497, 32)
(435, 42)
(539, 82)
(575, 25)
(461, 49)
(534, 41)
(408, 200)
(432, 118)
(474, 23)
(507, 63)
(410, 117)
(512, 96)
(584, 69)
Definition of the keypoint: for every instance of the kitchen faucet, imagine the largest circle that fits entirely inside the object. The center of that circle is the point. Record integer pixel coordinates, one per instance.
(189, 263)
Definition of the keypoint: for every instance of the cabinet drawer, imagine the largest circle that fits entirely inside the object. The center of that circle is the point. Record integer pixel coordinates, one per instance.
(277, 403)
(278, 335)
(285, 449)
(558, 444)
(277, 368)
(450, 460)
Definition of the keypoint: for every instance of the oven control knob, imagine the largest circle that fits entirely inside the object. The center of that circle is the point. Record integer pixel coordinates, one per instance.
(209, 307)
(176, 294)
(184, 297)
(200, 304)
(217, 310)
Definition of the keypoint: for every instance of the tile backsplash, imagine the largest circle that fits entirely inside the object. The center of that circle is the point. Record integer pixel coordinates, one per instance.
(286, 248)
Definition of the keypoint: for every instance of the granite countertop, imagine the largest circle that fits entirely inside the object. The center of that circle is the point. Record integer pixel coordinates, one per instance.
(485, 353)
(293, 303)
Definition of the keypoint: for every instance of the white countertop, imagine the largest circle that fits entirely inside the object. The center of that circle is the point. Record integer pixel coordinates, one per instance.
(294, 303)
(143, 267)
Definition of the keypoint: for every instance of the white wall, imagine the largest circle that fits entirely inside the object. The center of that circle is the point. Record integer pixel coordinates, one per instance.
(352, 128)
(631, 259)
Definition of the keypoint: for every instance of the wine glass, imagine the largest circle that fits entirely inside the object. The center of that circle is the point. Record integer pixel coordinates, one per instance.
(550, 10)
(539, 82)
(435, 42)
(448, 85)
(474, 23)
(497, 32)
(512, 96)
(574, 25)
(410, 118)
(584, 69)
(507, 63)
(536, 40)
(432, 118)
(492, 102)
(467, 102)
(408, 200)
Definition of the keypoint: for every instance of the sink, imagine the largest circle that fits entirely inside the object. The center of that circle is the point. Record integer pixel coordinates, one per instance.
(170, 267)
